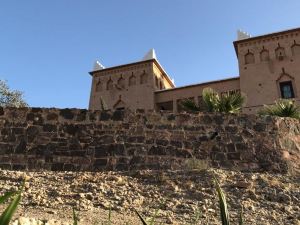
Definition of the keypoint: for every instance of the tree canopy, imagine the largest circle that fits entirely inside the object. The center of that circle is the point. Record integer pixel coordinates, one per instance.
(10, 98)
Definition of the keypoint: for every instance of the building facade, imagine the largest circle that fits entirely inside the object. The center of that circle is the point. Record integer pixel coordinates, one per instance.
(269, 69)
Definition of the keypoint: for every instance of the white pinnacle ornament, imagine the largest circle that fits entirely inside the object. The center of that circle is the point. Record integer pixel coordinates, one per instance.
(98, 66)
(150, 55)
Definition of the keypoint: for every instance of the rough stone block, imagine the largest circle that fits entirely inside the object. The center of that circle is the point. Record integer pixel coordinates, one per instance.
(157, 150)
(49, 128)
(52, 116)
(66, 114)
(234, 156)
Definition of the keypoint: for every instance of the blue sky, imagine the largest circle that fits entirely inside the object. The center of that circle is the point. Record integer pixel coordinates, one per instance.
(47, 48)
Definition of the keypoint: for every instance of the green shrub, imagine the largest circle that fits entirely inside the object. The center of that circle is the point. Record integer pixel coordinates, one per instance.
(230, 102)
(282, 108)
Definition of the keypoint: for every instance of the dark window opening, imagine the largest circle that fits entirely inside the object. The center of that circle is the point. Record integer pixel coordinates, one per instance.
(286, 89)
(165, 106)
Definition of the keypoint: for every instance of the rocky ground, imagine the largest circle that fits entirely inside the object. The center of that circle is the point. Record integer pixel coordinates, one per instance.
(176, 196)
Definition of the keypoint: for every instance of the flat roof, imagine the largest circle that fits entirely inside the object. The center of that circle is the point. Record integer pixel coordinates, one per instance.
(135, 63)
(235, 43)
(198, 84)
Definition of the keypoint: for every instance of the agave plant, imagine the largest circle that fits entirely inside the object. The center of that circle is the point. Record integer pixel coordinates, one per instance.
(223, 206)
(75, 218)
(152, 220)
(12, 207)
(282, 108)
(230, 102)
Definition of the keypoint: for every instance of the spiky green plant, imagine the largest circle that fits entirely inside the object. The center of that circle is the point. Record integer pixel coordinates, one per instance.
(8, 213)
(197, 215)
(222, 204)
(152, 220)
(75, 218)
(141, 218)
(231, 102)
(190, 105)
(241, 219)
(282, 108)
(211, 99)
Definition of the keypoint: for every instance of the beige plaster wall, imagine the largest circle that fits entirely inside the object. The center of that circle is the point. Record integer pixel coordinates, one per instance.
(135, 91)
(138, 95)
(160, 79)
(260, 80)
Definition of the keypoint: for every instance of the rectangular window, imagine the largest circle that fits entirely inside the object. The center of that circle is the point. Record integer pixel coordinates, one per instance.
(286, 89)
(180, 107)
(165, 106)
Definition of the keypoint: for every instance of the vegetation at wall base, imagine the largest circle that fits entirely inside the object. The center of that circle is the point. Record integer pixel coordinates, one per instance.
(222, 204)
(230, 102)
(8, 213)
(282, 108)
(16, 195)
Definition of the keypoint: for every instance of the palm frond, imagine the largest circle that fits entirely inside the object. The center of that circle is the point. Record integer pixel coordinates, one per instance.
(282, 108)
(230, 102)
(189, 105)
(211, 99)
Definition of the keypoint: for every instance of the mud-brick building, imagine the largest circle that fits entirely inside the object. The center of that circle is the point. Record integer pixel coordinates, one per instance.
(269, 69)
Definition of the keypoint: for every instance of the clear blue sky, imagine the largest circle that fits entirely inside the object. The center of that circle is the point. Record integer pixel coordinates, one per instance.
(47, 48)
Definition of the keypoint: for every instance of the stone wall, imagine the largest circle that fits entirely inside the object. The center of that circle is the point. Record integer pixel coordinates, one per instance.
(74, 139)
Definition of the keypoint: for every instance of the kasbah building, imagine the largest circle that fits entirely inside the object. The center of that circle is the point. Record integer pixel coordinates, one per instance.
(269, 69)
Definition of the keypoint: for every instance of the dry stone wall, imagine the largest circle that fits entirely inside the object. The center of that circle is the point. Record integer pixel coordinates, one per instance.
(75, 139)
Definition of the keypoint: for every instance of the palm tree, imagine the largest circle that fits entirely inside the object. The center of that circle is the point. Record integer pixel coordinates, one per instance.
(230, 102)
(282, 108)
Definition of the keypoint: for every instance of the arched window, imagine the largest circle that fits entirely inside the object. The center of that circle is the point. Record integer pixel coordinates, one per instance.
(296, 49)
(161, 85)
(109, 85)
(249, 58)
(280, 53)
(286, 85)
(121, 83)
(264, 55)
(286, 89)
(98, 86)
(156, 81)
(132, 80)
(144, 78)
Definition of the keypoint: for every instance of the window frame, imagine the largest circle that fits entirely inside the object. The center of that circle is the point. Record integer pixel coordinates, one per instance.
(281, 86)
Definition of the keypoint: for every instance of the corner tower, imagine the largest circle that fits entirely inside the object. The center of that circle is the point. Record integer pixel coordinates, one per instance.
(269, 67)
(129, 86)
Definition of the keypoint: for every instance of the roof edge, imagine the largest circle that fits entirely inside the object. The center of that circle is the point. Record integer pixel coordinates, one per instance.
(235, 43)
(120, 66)
(204, 83)
(135, 63)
